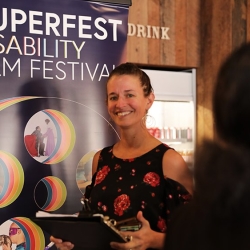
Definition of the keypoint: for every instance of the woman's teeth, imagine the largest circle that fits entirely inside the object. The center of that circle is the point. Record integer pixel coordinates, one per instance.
(123, 113)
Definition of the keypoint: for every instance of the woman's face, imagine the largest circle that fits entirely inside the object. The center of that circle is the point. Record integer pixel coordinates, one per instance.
(126, 102)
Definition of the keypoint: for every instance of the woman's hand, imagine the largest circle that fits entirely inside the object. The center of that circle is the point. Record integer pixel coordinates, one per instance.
(60, 244)
(141, 239)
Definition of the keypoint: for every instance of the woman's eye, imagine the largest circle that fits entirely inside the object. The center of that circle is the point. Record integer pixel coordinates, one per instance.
(130, 95)
(113, 98)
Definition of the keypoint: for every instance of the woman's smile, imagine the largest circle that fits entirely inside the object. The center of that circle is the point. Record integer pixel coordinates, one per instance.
(123, 113)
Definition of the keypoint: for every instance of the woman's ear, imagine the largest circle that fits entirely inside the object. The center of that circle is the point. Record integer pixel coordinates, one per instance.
(151, 99)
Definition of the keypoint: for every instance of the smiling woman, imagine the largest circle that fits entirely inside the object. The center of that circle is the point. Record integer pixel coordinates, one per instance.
(126, 101)
(138, 176)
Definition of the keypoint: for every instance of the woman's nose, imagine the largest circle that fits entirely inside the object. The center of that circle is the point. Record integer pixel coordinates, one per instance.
(120, 102)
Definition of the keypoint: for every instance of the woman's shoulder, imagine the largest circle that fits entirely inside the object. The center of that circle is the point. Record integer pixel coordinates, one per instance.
(175, 168)
(106, 150)
(102, 153)
(157, 149)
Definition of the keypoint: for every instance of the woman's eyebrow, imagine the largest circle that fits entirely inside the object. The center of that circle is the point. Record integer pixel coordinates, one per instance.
(112, 93)
(129, 90)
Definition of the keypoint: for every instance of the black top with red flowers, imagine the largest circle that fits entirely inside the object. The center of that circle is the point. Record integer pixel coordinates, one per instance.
(122, 187)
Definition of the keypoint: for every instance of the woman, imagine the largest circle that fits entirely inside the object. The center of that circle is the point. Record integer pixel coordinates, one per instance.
(139, 175)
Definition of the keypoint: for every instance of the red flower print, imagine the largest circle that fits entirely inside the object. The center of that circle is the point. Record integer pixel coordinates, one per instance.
(117, 166)
(161, 205)
(143, 204)
(133, 172)
(121, 203)
(148, 162)
(129, 160)
(152, 179)
(187, 197)
(101, 174)
(104, 208)
(161, 224)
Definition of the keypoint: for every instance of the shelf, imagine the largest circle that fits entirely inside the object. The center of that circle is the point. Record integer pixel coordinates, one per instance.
(176, 141)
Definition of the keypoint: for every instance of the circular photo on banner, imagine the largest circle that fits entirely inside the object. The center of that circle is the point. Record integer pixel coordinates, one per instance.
(21, 233)
(50, 193)
(49, 136)
(11, 178)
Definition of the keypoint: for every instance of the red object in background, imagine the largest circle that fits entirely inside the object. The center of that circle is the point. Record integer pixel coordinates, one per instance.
(151, 131)
(156, 132)
(30, 142)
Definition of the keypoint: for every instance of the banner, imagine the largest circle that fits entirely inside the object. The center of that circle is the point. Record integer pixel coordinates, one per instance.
(55, 57)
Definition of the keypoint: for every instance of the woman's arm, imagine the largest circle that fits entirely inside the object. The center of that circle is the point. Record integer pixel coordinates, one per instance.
(95, 162)
(175, 168)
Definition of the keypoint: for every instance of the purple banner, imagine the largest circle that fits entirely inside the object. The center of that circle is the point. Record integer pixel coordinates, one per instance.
(55, 57)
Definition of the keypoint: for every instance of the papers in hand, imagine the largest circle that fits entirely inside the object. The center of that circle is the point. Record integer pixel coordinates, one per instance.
(46, 214)
(97, 230)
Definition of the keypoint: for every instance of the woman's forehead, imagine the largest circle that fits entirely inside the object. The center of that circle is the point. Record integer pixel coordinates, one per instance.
(123, 81)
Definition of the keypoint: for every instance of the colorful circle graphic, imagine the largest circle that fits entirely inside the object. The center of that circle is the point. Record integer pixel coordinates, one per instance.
(5, 103)
(33, 233)
(49, 136)
(66, 136)
(11, 178)
(56, 193)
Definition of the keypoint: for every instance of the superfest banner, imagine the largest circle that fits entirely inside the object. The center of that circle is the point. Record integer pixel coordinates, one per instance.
(55, 46)
(55, 57)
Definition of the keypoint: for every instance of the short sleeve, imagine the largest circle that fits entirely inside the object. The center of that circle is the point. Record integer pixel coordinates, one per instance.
(176, 195)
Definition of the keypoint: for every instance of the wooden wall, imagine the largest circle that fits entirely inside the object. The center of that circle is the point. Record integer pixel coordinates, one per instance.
(202, 33)
(224, 26)
(182, 19)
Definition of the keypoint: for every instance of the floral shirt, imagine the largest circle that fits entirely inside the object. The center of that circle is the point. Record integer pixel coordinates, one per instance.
(122, 187)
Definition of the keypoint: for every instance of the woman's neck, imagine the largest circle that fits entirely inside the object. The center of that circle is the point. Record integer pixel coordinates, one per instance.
(133, 138)
(134, 143)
